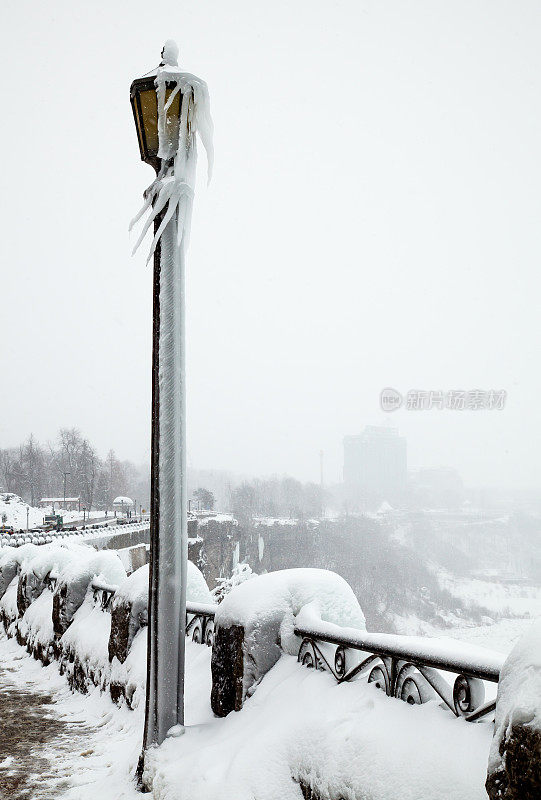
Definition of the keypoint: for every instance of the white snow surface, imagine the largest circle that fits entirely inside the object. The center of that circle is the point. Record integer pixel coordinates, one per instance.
(37, 622)
(14, 509)
(8, 603)
(347, 740)
(280, 596)
(134, 589)
(52, 557)
(87, 564)
(88, 639)
(519, 689)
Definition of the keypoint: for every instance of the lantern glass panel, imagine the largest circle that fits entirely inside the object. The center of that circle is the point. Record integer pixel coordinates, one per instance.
(145, 106)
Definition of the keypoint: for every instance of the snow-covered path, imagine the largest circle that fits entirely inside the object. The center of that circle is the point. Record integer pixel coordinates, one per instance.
(55, 744)
(34, 741)
(298, 724)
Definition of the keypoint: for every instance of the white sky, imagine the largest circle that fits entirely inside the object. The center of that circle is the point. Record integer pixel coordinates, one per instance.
(373, 221)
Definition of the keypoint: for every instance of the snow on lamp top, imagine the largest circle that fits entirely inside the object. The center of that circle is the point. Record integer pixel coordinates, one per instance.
(183, 110)
(170, 53)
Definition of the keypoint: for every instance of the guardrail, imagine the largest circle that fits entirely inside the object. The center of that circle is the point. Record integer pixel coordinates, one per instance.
(199, 616)
(94, 531)
(409, 668)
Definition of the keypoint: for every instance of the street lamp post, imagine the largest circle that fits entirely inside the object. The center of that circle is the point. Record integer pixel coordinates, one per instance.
(164, 105)
(65, 473)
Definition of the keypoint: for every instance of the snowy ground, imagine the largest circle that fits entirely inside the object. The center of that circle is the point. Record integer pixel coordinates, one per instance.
(13, 513)
(350, 740)
(57, 744)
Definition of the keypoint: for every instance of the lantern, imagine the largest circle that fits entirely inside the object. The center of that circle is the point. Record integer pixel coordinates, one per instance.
(144, 103)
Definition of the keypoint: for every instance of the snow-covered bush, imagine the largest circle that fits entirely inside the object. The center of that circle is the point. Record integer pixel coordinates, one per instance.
(241, 572)
(256, 621)
(514, 767)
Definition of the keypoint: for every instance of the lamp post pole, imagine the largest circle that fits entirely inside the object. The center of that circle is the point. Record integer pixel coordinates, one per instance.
(169, 107)
(65, 473)
(168, 520)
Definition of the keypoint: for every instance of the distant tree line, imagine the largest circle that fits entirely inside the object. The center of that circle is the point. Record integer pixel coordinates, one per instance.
(277, 497)
(33, 471)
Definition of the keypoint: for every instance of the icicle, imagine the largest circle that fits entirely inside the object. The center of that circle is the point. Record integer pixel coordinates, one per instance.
(175, 188)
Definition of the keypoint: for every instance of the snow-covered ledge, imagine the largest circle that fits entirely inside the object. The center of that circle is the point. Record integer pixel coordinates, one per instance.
(255, 623)
(514, 767)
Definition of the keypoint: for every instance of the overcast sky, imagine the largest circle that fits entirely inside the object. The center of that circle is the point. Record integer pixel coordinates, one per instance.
(373, 220)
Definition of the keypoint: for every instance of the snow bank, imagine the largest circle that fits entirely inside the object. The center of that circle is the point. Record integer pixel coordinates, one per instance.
(276, 598)
(48, 558)
(128, 678)
(11, 560)
(256, 622)
(8, 604)
(85, 644)
(514, 768)
(134, 589)
(75, 578)
(129, 615)
(36, 626)
(346, 741)
(197, 590)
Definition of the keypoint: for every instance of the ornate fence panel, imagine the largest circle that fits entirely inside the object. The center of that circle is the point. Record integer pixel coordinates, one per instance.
(409, 668)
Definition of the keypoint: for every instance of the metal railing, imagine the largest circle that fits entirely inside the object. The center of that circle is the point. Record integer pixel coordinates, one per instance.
(91, 531)
(412, 669)
(199, 616)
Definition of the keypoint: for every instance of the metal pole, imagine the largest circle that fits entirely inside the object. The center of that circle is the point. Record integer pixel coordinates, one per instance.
(168, 520)
(64, 474)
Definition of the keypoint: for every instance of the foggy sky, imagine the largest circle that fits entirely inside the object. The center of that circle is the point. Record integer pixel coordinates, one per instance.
(373, 221)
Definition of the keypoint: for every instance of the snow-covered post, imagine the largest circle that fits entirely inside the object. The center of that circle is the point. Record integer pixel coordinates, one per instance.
(170, 107)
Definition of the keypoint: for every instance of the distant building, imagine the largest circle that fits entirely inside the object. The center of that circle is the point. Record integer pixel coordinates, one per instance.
(375, 464)
(67, 503)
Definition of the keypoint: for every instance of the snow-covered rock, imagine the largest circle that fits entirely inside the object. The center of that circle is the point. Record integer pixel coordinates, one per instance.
(129, 617)
(84, 645)
(75, 579)
(42, 561)
(514, 768)
(11, 561)
(255, 623)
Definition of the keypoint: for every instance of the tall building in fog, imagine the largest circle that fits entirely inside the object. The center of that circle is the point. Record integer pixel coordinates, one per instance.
(375, 464)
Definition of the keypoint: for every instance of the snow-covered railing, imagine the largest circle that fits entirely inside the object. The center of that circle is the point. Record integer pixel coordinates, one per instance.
(200, 621)
(86, 534)
(199, 616)
(414, 669)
